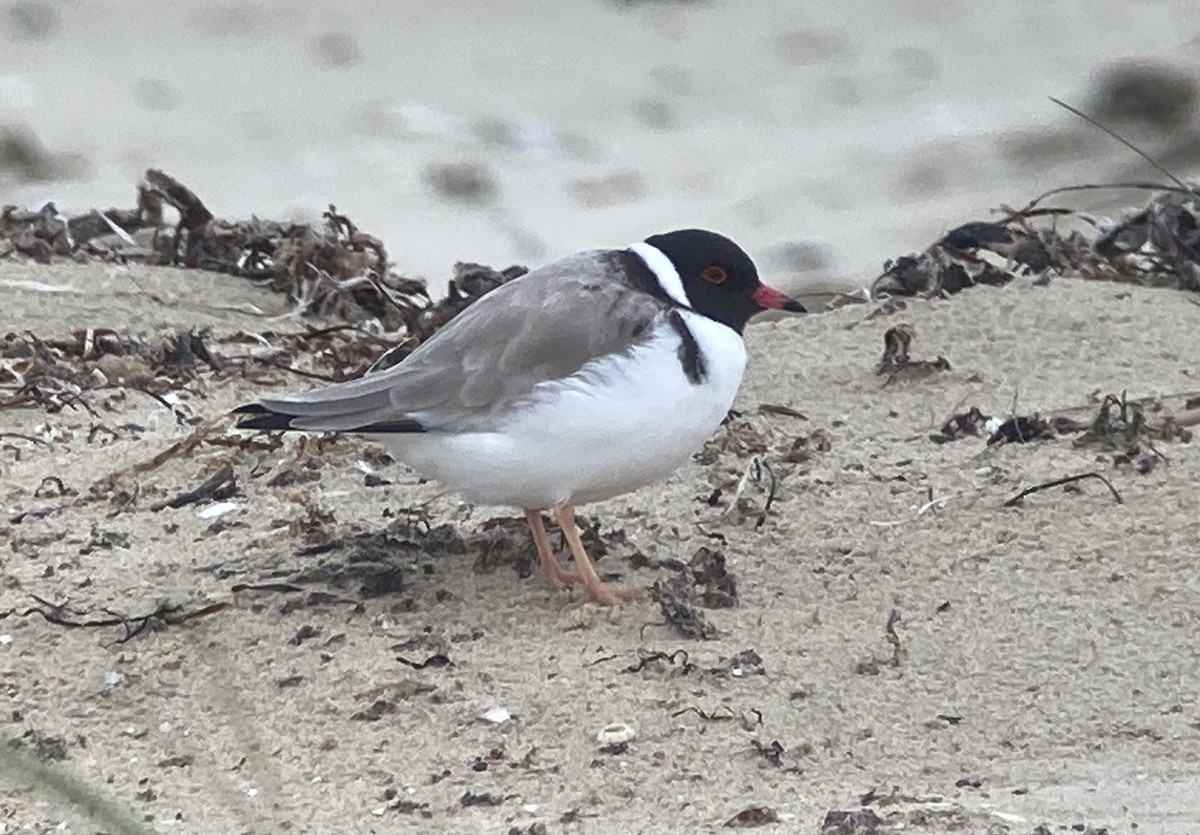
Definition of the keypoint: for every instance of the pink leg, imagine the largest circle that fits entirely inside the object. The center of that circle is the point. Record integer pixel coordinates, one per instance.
(555, 573)
(606, 594)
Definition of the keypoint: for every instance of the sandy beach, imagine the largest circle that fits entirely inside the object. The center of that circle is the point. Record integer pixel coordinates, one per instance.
(1058, 636)
(825, 138)
(322, 642)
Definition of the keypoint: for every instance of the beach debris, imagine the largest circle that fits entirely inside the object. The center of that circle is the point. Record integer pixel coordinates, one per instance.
(1155, 246)
(780, 409)
(771, 753)
(377, 710)
(45, 747)
(660, 662)
(747, 490)
(893, 638)
(91, 366)
(741, 664)
(971, 423)
(1119, 425)
(219, 486)
(470, 798)
(435, 661)
(739, 437)
(367, 561)
(166, 613)
(851, 822)
(617, 733)
(536, 828)
(493, 714)
(722, 713)
(704, 580)
(897, 363)
(677, 600)
(1059, 482)
(756, 472)
(748, 719)
(773, 452)
(753, 816)
(1018, 429)
(948, 266)
(504, 541)
(711, 574)
(873, 665)
(334, 270)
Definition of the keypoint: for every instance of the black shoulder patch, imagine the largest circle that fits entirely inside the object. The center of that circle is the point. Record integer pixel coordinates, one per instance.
(694, 365)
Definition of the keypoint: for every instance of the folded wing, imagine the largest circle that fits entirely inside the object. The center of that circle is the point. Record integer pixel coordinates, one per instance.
(545, 325)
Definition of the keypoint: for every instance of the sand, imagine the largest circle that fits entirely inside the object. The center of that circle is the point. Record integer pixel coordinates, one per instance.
(1048, 658)
(827, 136)
(1059, 636)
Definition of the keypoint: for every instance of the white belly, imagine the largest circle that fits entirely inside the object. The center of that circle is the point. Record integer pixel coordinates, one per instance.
(616, 425)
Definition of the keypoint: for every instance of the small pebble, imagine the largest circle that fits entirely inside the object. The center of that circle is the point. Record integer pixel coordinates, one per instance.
(615, 733)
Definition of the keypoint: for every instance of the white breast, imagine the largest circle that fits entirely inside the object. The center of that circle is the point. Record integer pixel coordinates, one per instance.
(617, 424)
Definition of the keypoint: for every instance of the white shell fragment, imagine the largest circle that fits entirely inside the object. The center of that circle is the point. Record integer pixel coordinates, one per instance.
(1008, 817)
(212, 511)
(495, 714)
(615, 733)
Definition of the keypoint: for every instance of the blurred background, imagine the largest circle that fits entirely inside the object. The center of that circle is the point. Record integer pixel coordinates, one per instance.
(823, 136)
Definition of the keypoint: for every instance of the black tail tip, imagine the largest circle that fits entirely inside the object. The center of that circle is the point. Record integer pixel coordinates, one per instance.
(262, 418)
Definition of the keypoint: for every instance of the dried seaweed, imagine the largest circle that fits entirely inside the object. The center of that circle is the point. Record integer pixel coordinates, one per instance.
(962, 425)
(1019, 429)
(1120, 425)
(677, 600)
(57, 373)
(896, 362)
(1157, 245)
(1060, 482)
(166, 613)
(704, 581)
(754, 816)
(334, 269)
(82, 370)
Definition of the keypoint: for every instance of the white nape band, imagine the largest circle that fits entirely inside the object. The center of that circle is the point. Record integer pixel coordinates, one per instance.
(664, 271)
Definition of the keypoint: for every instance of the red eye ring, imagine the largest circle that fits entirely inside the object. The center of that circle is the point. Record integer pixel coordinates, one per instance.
(714, 274)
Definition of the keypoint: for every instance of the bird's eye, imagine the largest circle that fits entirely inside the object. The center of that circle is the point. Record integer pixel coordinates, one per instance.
(714, 274)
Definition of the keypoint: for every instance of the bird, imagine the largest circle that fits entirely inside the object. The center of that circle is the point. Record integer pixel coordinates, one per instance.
(579, 381)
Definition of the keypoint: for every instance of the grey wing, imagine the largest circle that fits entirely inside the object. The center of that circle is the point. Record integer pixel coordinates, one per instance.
(544, 325)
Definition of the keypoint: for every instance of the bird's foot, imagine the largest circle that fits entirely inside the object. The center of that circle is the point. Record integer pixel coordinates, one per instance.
(611, 594)
(560, 577)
